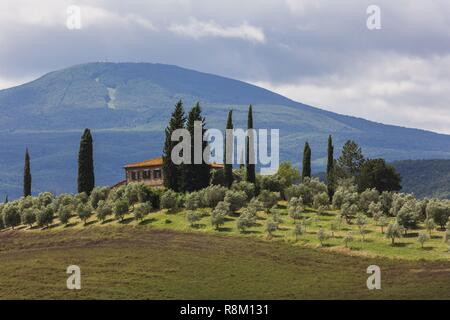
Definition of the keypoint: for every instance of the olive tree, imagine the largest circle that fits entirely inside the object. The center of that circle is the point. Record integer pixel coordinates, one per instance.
(11, 216)
(422, 238)
(104, 209)
(393, 231)
(347, 239)
(29, 217)
(268, 199)
(192, 217)
(271, 226)
(219, 214)
(84, 212)
(295, 208)
(236, 199)
(121, 208)
(430, 225)
(64, 214)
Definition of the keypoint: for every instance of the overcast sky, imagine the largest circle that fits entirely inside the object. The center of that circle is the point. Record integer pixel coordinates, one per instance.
(314, 51)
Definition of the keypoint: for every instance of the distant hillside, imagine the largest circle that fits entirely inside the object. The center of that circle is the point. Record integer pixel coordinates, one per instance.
(127, 106)
(425, 178)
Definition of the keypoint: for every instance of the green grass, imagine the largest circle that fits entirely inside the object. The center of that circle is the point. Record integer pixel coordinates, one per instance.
(135, 262)
(162, 257)
(374, 244)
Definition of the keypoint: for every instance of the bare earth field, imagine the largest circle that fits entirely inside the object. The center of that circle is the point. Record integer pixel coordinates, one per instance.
(136, 262)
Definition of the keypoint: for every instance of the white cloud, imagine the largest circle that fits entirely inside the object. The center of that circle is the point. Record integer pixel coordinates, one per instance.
(394, 89)
(200, 29)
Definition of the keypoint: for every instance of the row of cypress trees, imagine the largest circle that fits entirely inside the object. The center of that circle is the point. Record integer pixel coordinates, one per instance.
(86, 178)
(250, 169)
(185, 177)
(306, 167)
(191, 177)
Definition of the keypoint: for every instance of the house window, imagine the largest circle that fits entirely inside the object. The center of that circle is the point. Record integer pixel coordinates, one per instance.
(133, 175)
(157, 174)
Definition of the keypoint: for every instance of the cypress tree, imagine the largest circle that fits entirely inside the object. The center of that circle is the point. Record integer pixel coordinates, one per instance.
(172, 172)
(86, 179)
(6, 199)
(196, 176)
(306, 170)
(27, 176)
(330, 168)
(228, 167)
(250, 167)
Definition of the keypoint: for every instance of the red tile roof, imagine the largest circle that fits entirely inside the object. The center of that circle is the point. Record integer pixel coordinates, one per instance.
(159, 162)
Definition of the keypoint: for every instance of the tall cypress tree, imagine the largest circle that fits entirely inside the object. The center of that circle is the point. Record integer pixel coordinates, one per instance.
(250, 167)
(172, 172)
(306, 170)
(330, 168)
(27, 176)
(196, 176)
(228, 167)
(86, 178)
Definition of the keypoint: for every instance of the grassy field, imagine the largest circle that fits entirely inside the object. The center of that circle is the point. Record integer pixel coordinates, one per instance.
(374, 244)
(162, 257)
(134, 262)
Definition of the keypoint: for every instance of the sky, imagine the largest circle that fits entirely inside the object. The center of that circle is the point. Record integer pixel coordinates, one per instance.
(319, 52)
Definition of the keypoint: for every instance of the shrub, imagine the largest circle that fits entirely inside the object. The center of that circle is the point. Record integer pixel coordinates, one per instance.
(104, 209)
(120, 208)
(236, 199)
(11, 216)
(268, 199)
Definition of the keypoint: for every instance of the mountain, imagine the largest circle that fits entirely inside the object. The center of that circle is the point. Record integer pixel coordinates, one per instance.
(425, 178)
(127, 106)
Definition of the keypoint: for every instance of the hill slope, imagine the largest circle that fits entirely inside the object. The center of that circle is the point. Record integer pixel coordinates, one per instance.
(128, 105)
(425, 178)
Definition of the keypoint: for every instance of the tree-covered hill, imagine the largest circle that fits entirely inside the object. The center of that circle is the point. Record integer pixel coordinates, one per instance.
(127, 106)
(425, 178)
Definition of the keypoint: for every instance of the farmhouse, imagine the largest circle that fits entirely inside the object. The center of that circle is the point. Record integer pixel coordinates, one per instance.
(149, 172)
